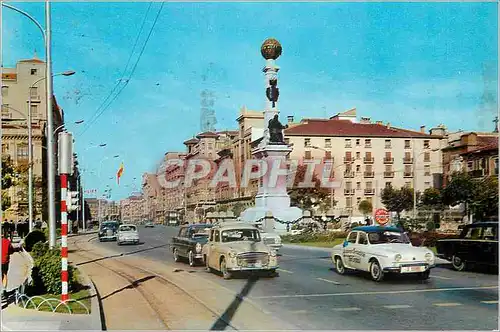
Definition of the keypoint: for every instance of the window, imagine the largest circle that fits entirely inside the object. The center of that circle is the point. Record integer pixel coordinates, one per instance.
(347, 143)
(348, 185)
(369, 185)
(368, 156)
(358, 168)
(348, 156)
(217, 236)
(358, 155)
(182, 232)
(307, 142)
(426, 144)
(352, 237)
(328, 142)
(34, 92)
(387, 184)
(362, 238)
(407, 155)
(33, 71)
(368, 143)
(308, 155)
(427, 170)
(473, 233)
(210, 146)
(5, 148)
(388, 168)
(358, 185)
(328, 155)
(407, 169)
(34, 110)
(427, 185)
(22, 151)
(369, 168)
(358, 200)
(490, 233)
(427, 156)
(5, 110)
(348, 202)
(387, 143)
(358, 142)
(5, 91)
(407, 144)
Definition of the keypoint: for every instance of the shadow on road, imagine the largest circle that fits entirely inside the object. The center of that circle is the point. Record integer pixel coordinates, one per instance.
(133, 285)
(122, 254)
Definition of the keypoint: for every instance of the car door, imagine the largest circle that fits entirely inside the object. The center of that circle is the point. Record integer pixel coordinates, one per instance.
(469, 248)
(363, 246)
(349, 248)
(488, 246)
(178, 241)
(214, 250)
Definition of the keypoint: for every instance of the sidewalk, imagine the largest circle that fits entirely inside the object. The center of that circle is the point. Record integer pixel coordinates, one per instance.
(16, 318)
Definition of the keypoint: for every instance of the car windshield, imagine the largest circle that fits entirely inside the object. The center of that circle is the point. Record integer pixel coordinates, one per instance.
(388, 237)
(127, 229)
(109, 226)
(234, 235)
(200, 232)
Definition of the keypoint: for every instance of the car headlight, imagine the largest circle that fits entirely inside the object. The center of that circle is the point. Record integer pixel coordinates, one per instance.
(398, 257)
(232, 254)
(198, 248)
(272, 253)
(428, 256)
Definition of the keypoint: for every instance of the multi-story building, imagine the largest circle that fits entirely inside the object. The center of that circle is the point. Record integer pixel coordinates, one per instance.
(368, 156)
(132, 209)
(17, 88)
(174, 199)
(152, 195)
(93, 206)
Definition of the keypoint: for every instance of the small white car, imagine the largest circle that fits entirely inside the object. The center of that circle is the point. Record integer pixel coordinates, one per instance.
(270, 239)
(380, 250)
(127, 234)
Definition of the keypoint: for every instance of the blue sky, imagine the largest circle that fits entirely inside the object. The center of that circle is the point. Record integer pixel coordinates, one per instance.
(409, 64)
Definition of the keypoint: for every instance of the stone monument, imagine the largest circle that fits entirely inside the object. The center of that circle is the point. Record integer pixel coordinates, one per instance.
(272, 199)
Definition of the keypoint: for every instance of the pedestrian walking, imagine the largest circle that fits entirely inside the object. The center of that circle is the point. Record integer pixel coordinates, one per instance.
(7, 251)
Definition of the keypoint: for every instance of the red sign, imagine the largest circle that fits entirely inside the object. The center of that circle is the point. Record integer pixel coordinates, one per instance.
(381, 216)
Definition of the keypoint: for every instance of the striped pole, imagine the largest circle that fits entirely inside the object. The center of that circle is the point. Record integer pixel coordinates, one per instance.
(64, 238)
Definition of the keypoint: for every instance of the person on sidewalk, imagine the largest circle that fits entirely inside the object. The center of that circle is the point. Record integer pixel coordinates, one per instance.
(7, 251)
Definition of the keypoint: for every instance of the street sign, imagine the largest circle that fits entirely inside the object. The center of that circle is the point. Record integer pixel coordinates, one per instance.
(381, 216)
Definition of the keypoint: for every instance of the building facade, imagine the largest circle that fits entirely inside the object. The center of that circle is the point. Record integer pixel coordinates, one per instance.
(132, 209)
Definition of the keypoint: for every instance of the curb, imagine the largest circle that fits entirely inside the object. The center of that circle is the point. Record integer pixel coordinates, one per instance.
(95, 308)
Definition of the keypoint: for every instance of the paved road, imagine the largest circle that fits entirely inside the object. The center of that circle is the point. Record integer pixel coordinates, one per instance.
(310, 295)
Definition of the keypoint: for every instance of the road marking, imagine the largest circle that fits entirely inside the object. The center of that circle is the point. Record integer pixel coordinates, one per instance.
(490, 302)
(299, 312)
(330, 281)
(347, 309)
(439, 277)
(397, 306)
(446, 304)
(286, 271)
(376, 293)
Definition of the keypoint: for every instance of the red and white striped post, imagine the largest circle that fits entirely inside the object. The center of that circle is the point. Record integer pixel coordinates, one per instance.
(64, 237)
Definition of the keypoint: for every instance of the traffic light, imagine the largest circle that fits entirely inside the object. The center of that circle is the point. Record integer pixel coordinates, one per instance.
(72, 201)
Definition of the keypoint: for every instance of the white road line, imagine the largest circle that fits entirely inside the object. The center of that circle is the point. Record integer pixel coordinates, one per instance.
(299, 312)
(397, 306)
(447, 304)
(347, 309)
(286, 271)
(439, 277)
(490, 302)
(330, 281)
(376, 293)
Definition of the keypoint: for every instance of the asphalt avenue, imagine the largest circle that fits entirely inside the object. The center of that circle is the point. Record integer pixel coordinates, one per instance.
(310, 295)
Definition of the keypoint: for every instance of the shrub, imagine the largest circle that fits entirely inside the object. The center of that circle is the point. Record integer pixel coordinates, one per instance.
(313, 237)
(428, 239)
(33, 238)
(46, 232)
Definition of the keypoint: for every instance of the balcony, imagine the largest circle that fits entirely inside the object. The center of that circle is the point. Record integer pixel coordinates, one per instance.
(369, 174)
(408, 174)
(407, 160)
(388, 160)
(369, 191)
(388, 174)
(369, 160)
(348, 160)
(348, 174)
(349, 191)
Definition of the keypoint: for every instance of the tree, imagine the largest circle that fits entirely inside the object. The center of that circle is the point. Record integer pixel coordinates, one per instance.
(485, 199)
(237, 209)
(397, 200)
(8, 180)
(365, 207)
(431, 198)
(316, 198)
(460, 190)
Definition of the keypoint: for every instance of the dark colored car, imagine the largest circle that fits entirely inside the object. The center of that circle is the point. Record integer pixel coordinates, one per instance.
(477, 244)
(149, 224)
(189, 243)
(108, 230)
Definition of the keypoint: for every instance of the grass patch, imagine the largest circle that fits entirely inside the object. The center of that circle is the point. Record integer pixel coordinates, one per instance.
(76, 308)
(319, 244)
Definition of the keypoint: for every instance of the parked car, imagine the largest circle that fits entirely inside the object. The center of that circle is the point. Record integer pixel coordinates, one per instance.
(271, 239)
(127, 233)
(476, 244)
(149, 224)
(380, 250)
(189, 243)
(108, 230)
(238, 247)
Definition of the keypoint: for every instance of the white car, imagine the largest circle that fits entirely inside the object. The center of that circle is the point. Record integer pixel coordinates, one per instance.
(127, 234)
(270, 239)
(380, 250)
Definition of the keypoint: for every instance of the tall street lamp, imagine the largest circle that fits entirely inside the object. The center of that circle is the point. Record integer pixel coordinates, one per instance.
(30, 146)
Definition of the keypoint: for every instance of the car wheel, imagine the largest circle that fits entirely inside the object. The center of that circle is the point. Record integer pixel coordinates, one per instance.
(118, 243)
(176, 255)
(457, 263)
(207, 268)
(223, 269)
(376, 271)
(339, 265)
(191, 259)
(273, 274)
(424, 275)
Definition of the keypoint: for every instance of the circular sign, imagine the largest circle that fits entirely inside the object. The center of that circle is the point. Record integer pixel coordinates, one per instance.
(381, 216)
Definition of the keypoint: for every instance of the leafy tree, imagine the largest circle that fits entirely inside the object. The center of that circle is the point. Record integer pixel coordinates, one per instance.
(316, 198)
(431, 197)
(397, 200)
(485, 199)
(460, 190)
(9, 175)
(238, 208)
(365, 207)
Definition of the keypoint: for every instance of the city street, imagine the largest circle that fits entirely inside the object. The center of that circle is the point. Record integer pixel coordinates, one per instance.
(310, 295)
